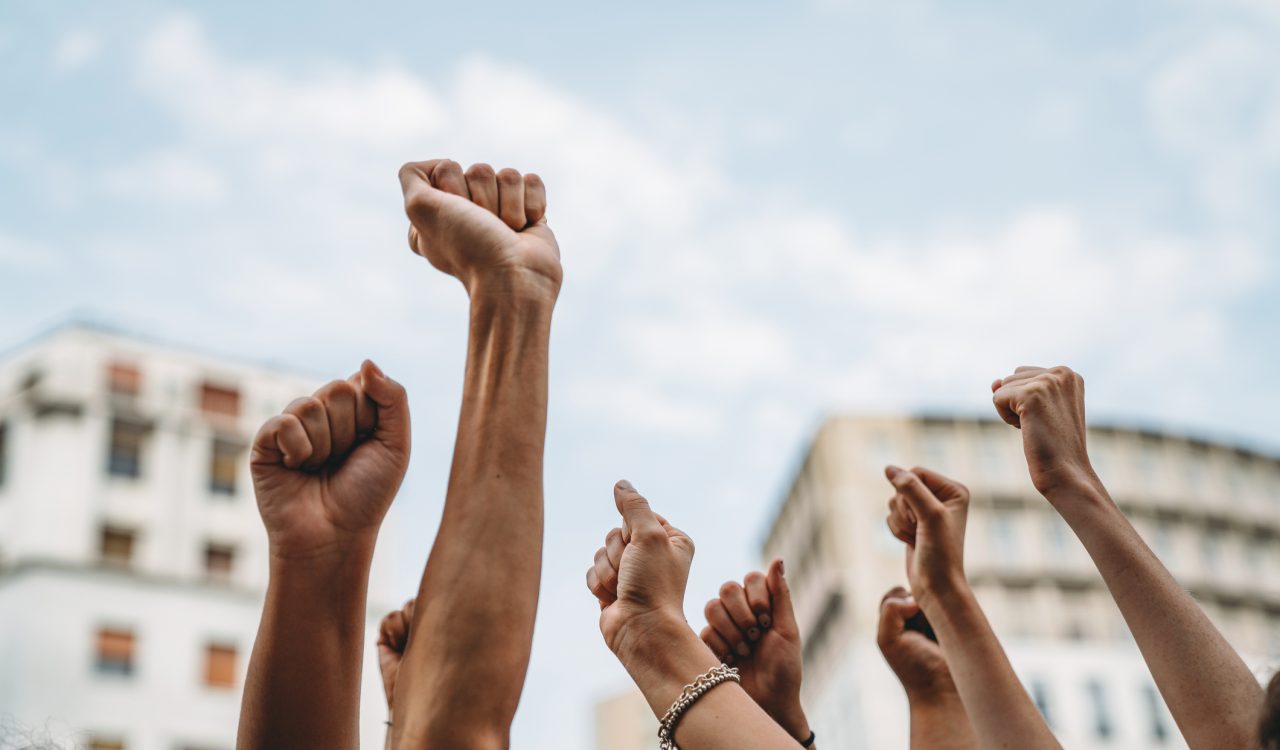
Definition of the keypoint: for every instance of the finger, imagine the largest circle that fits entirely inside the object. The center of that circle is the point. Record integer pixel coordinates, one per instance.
(535, 199)
(1026, 371)
(714, 642)
(339, 400)
(1002, 397)
(899, 525)
(447, 176)
(784, 614)
(392, 402)
(421, 200)
(606, 573)
(366, 410)
(638, 519)
(757, 590)
(944, 487)
(409, 608)
(482, 181)
(394, 631)
(734, 598)
(718, 618)
(895, 607)
(511, 199)
(613, 546)
(920, 500)
(593, 585)
(280, 441)
(311, 413)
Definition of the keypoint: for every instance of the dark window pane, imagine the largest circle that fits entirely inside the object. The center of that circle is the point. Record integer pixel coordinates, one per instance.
(224, 462)
(115, 649)
(215, 399)
(124, 458)
(116, 545)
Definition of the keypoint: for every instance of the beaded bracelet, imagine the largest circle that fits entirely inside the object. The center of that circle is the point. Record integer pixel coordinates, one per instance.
(691, 693)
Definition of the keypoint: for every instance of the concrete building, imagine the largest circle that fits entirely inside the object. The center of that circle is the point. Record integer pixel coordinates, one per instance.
(1210, 511)
(132, 560)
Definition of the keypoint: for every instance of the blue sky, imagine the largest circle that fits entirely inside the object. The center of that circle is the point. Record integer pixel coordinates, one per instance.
(768, 212)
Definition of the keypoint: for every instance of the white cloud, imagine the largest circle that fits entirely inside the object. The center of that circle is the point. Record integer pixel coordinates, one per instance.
(76, 49)
(167, 176)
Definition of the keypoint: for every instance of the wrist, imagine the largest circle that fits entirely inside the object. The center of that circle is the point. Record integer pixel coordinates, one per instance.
(792, 719)
(941, 587)
(529, 289)
(662, 654)
(287, 557)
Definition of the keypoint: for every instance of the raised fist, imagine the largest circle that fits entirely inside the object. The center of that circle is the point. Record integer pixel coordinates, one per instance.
(393, 637)
(326, 470)
(1048, 406)
(640, 573)
(752, 626)
(929, 512)
(915, 658)
(481, 225)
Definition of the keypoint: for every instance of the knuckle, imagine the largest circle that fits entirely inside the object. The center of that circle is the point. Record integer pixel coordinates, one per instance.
(509, 176)
(601, 555)
(649, 535)
(754, 577)
(480, 171)
(532, 180)
(729, 588)
(711, 609)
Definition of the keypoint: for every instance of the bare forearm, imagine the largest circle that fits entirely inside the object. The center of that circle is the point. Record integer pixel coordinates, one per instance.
(303, 683)
(940, 723)
(470, 671)
(999, 709)
(1209, 690)
(726, 717)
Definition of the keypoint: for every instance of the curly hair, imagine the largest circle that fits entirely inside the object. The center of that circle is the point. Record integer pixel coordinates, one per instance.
(1269, 726)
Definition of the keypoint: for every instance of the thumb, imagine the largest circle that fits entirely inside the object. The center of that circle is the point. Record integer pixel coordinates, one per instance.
(638, 519)
(393, 405)
(784, 615)
(927, 508)
(895, 608)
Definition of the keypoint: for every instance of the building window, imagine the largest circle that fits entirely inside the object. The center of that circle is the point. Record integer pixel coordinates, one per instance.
(1155, 714)
(115, 546)
(216, 399)
(936, 450)
(1211, 548)
(1099, 709)
(105, 743)
(224, 460)
(219, 561)
(125, 456)
(115, 652)
(220, 665)
(124, 379)
(1004, 536)
(994, 459)
(1040, 694)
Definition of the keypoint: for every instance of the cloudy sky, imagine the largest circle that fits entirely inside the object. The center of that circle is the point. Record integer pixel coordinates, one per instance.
(768, 212)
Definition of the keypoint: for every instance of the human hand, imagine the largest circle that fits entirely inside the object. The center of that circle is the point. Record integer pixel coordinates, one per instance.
(639, 575)
(326, 470)
(393, 637)
(929, 513)
(915, 658)
(753, 626)
(1048, 406)
(481, 225)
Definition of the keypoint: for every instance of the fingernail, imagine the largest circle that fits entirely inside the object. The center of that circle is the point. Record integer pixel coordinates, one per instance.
(624, 485)
(743, 650)
(892, 470)
(753, 633)
(782, 567)
(765, 621)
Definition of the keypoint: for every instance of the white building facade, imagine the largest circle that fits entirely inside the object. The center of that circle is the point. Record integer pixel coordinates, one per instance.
(133, 563)
(1210, 511)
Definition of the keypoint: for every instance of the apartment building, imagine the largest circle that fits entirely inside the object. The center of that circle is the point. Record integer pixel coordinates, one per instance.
(132, 560)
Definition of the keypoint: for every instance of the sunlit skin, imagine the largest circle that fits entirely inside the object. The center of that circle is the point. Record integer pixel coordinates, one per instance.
(928, 512)
(938, 720)
(467, 650)
(752, 625)
(1210, 692)
(639, 579)
(325, 471)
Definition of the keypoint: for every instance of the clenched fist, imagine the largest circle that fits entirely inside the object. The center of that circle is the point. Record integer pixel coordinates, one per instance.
(480, 224)
(326, 470)
(393, 638)
(916, 659)
(1048, 406)
(752, 626)
(639, 576)
(929, 512)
